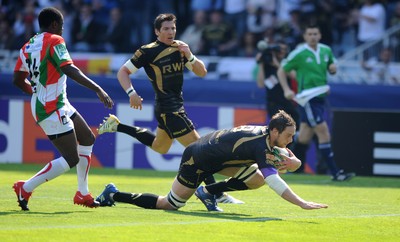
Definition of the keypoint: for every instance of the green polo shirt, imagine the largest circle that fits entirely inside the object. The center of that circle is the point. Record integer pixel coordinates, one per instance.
(311, 66)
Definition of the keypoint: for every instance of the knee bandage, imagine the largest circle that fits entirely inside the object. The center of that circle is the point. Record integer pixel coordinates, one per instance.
(246, 173)
(175, 200)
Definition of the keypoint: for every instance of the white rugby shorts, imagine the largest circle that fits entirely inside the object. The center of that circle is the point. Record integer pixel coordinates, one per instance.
(60, 121)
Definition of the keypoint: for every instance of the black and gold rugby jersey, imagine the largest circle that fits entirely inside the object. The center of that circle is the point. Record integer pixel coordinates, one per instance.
(164, 65)
(242, 145)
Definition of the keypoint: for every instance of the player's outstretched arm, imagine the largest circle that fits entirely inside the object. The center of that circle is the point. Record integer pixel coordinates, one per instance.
(276, 183)
(77, 75)
(292, 197)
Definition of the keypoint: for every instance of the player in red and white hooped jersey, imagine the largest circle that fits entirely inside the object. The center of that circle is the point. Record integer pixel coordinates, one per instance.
(41, 71)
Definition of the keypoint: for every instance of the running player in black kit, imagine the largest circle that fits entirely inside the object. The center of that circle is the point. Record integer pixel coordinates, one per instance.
(244, 154)
(164, 61)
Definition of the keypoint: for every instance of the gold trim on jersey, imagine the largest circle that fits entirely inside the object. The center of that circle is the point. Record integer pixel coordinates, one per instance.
(190, 162)
(158, 75)
(136, 56)
(245, 139)
(168, 51)
(151, 45)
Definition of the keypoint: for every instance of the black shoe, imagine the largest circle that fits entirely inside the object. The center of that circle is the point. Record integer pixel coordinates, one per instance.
(341, 176)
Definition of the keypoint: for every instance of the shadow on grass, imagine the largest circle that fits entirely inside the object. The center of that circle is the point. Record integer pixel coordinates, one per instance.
(224, 216)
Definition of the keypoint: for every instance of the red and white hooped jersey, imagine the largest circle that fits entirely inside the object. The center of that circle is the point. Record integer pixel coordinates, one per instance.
(43, 56)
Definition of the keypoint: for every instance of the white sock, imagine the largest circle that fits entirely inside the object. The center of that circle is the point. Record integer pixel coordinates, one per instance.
(52, 170)
(82, 168)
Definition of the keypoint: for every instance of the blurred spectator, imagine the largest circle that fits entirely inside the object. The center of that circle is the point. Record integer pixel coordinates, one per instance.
(395, 41)
(183, 13)
(324, 19)
(390, 7)
(7, 36)
(68, 20)
(272, 36)
(134, 14)
(207, 5)
(284, 8)
(25, 25)
(192, 35)
(219, 38)
(260, 16)
(344, 26)
(309, 11)
(291, 30)
(318, 12)
(395, 17)
(371, 21)
(118, 33)
(86, 33)
(236, 14)
(101, 10)
(340, 18)
(248, 45)
(371, 26)
(382, 70)
(139, 16)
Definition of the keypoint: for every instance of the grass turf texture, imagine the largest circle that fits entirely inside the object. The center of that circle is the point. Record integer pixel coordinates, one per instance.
(364, 209)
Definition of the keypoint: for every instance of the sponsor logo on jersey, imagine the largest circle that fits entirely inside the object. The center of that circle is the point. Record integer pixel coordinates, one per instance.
(62, 52)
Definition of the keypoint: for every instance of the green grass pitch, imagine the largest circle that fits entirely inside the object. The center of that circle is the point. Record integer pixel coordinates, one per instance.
(363, 209)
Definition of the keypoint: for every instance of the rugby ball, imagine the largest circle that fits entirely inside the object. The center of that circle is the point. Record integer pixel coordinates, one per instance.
(278, 152)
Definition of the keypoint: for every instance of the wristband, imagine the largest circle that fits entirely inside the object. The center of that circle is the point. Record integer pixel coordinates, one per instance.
(130, 91)
(192, 59)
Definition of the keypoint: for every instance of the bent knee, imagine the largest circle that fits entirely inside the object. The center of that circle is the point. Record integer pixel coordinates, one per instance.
(87, 140)
(91, 138)
(162, 149)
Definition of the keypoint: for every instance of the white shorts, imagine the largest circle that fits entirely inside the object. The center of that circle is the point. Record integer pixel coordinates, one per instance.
(60, 121)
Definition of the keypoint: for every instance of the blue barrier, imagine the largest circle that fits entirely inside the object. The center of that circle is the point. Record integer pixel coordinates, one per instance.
(235, 93)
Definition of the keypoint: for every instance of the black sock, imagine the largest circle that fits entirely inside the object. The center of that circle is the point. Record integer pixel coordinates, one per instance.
(231, 184)
(210, 180)
(143, 135)
(144, 200)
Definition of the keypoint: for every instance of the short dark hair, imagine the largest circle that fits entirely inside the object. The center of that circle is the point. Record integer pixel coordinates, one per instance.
(48, 16)
(280, 121)
(311, 25)
(162, 18)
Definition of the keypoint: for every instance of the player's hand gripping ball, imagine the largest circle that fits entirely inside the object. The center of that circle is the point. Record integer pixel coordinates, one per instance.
(278, 152)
